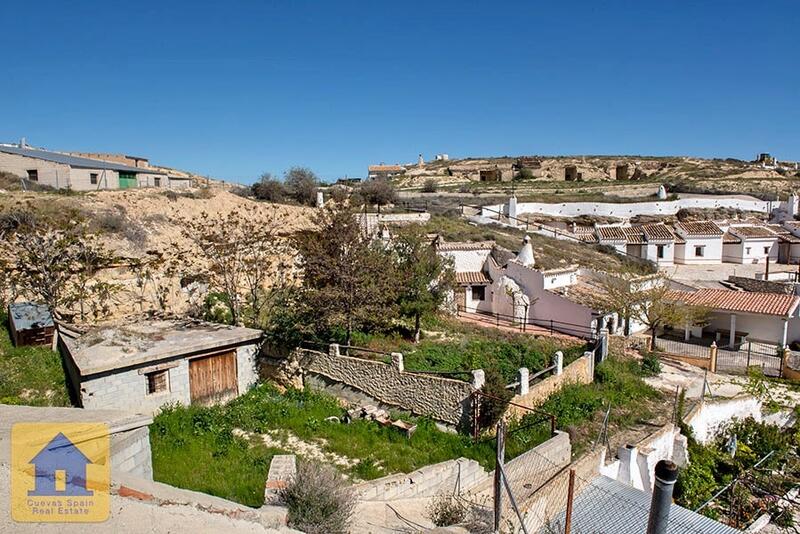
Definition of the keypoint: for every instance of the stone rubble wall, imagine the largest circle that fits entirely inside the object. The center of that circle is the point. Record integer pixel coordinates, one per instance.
(762, 286)
(442, 399)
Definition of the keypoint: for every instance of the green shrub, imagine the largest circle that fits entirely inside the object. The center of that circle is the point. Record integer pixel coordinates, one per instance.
(217, 308)
(430, 186)
(495, 401)
(650, 364)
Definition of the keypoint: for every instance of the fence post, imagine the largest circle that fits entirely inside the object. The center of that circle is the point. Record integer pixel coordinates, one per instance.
(785, 360)
(551, 327)
(333, 350)
(524, 381)
(498, 474)
(570, 495)
(604, 346)
(397, 361)
(712, 355)
(559, 357)
(749, 348)
(589, 355)
(478, 378)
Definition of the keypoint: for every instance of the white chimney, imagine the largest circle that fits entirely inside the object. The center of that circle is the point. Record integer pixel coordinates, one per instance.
(525, 256)
(23, 143)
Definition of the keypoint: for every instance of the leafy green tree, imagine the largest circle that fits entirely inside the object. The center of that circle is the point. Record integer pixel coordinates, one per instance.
(425, 278)
(268, 188)
(301, 184)
(379, 192)
(349, 279)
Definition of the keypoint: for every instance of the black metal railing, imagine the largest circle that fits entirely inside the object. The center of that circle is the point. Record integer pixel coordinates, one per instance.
(553, 326)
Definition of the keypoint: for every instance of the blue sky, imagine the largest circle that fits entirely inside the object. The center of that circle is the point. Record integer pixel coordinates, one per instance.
(235, 88)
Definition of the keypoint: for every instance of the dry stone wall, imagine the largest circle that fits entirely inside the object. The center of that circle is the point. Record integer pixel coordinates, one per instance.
(443, 399)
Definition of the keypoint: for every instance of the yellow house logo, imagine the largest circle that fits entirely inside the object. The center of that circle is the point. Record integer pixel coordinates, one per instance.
(60, 472)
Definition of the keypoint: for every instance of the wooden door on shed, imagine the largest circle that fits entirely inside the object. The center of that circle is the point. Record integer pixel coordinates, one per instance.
(212, 379)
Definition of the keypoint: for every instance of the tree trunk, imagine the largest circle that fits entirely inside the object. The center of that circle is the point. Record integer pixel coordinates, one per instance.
(416, 328)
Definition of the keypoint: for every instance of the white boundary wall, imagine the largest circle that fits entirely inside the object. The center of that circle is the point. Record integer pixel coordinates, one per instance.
(625, 210)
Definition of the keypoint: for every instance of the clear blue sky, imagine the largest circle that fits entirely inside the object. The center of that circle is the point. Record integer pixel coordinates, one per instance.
(236, 88)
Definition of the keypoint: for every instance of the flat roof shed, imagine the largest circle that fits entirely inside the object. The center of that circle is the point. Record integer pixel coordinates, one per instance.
(30, 324)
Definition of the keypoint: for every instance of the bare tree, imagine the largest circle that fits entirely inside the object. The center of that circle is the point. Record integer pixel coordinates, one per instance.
(239, 257)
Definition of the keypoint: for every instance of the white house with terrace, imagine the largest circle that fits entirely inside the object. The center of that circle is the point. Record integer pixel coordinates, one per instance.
(739, 316)
(148, 363)
(493, 280)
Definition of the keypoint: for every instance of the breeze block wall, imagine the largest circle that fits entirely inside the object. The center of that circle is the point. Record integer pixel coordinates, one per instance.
(443, 399)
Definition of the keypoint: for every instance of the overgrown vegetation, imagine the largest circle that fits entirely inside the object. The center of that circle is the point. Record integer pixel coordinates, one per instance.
(579, 408)
(30, 375)
(234, 468)
(730, 459)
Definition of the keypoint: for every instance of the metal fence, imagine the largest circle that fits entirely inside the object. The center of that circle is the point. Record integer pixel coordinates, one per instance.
(695, 348)
(741, 357)
(523, 323)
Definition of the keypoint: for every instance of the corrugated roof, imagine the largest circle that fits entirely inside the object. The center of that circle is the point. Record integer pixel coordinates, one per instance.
(611, 233)
(657, 232)
(471, 278)
(738, 301)
(608, 506)
(752, 232)
(699, 229)
(464, 245)
(74, 161)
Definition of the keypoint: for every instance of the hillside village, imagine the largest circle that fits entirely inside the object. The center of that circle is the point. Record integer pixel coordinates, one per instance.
(517, 344)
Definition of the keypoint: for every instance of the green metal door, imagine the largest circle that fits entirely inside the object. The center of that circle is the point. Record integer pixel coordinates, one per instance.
(127, 180)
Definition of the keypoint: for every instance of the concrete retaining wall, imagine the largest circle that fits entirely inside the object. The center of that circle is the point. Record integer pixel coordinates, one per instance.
(130, 452)
(442, 399)
(453, 475)
(578, 372)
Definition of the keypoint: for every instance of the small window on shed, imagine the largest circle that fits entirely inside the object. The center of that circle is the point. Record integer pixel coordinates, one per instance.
(766, 250)
(699, 251)
(157, 181)
(157, 381)
(33, 175)
(93, 178)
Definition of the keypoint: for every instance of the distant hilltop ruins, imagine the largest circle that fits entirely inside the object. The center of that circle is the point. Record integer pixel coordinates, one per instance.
(577, 168)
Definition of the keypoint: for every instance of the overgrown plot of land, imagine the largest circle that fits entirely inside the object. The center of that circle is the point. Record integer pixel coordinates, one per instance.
(198, 447)
(449, 346)
(32, 376)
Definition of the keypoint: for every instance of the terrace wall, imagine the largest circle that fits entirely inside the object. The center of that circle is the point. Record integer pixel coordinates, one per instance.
(443, 399)
(578, 372)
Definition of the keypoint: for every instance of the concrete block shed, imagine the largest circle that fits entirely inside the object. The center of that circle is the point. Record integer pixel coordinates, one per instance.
(145, 364)
(30, 324)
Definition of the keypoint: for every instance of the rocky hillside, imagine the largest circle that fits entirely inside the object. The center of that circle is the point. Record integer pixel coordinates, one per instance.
(606, 172)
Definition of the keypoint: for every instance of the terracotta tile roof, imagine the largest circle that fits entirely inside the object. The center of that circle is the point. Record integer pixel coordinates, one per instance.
(778, 229)
(755, 232)
(611, 233)
(679, 240)
(657, 232)
(634, 235)
(738, 301)
(472, 278)
(699, 229)
(587, 238)
(791, 225)
(585, 291)
(464, 245)
(789, 238)
(730, 239)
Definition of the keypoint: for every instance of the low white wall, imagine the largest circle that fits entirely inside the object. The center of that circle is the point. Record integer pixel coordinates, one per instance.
(626, 210)
(709, 417)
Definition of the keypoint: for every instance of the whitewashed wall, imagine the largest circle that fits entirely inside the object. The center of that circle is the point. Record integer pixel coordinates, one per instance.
(626, 210)
(684, 254)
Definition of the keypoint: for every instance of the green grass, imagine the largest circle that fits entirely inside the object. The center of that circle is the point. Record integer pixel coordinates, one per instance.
(30, 375)
(619, 382)
(194, 448)
(454, 346)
